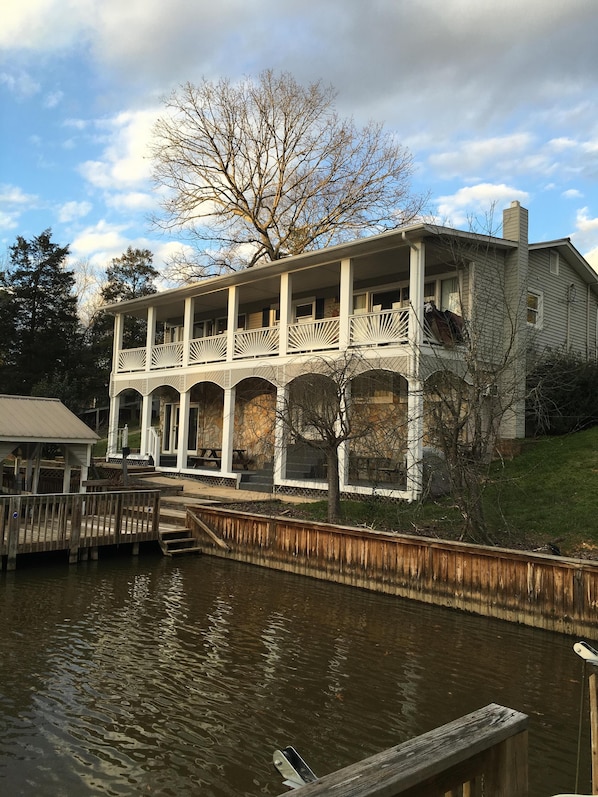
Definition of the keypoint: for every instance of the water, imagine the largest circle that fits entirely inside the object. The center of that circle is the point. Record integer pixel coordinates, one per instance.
(153, 676)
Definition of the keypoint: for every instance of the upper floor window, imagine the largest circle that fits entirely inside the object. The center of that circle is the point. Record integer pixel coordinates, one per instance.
(534, 309)
(554, 262)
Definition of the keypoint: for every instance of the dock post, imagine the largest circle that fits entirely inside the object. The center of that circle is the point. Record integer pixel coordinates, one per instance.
(14, 509)
(75, 529)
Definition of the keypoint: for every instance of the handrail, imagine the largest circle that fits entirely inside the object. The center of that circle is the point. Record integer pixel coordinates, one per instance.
(484, 752)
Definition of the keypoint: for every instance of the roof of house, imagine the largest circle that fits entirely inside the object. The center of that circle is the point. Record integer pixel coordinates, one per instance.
(367, 245)
(33, 419)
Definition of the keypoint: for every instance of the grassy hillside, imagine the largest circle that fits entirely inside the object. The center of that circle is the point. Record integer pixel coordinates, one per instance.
(548, 494)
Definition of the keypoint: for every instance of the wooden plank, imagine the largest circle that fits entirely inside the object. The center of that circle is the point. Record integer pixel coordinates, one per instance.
(422, 762)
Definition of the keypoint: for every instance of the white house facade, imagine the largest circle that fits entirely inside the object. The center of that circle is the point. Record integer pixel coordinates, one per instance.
(222, 354)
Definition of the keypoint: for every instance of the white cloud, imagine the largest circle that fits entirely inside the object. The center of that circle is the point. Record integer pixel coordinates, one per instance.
(572, 193)
(19, 83)
(13, 195)
(125, 161)
(133, 201)
(475, 201)
(8, 221)
(53, 99)
(73, 210)
(100, 243)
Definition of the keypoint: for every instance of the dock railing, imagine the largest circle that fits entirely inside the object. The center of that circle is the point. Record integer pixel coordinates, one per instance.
(72, 521)
(483, 753)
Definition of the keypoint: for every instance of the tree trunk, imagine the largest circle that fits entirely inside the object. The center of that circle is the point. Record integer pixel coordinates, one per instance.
(334, 494)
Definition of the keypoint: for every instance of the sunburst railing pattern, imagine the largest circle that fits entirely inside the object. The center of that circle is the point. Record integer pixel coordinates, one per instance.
(314, 335)
(389, 326)
(256, 342)
(207, 350)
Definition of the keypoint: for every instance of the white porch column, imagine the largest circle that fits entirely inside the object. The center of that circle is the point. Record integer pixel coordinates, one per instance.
(280, 449)
(228, 429)
(113, 426)
(146, 422)
(415, 438)
(150, 336)
(231, 324)
(286, 301)
(416, 296)
(343, 450)
(117, 341)
(188, 328)
(415, 399)
(181, 457)
(346, 303)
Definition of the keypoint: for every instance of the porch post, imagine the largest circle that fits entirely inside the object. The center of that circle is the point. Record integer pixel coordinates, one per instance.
(231, 324)
(117, 341)
(280, 449)
(185, 402)
(150, 336)
(113, 426)
(228, 429)
(146, 422)
(343, 450)
(415, 399)
(286, 300)
(346, 303)
(188, 328)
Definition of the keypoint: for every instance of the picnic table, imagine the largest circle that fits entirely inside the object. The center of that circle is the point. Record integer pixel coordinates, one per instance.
(210, 455)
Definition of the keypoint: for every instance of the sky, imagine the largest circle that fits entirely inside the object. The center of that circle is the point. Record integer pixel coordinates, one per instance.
(496, 101)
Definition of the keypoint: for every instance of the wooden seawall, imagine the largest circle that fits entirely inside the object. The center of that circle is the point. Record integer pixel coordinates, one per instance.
(550, 592)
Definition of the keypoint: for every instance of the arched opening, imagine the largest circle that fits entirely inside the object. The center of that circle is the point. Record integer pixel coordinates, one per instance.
(378, 412)
(253, 435)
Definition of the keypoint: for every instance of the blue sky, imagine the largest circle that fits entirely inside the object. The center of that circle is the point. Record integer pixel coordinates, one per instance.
(496, 101)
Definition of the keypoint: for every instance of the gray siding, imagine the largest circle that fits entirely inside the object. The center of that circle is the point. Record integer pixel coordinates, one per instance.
(569, 310)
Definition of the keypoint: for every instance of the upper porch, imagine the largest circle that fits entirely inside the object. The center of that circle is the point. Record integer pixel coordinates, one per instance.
(310, 304)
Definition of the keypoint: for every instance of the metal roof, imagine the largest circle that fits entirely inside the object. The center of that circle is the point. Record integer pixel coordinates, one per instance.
(44, 420)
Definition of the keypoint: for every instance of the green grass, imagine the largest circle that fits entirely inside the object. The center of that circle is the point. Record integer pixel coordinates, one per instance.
(548, 494)
(99, 449)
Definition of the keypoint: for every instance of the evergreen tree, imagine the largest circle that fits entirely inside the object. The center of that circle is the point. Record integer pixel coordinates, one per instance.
(129, 276)
(43, 349)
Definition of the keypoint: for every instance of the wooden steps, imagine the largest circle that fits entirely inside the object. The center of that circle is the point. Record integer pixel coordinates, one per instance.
(176, 540)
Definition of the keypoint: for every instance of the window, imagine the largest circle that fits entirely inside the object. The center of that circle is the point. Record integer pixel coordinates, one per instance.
(304, 312)
(534, 309)
(449, 295)
(554, 262)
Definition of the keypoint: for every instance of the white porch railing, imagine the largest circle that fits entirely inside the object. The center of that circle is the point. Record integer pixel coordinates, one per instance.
(313, 335)
(167, 355)
(256, 342)
(207, 350)
(367, 329)
(131, 360)
(388, 326)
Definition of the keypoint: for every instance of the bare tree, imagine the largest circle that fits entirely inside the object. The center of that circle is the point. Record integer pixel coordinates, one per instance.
(318, 412)
(262, 169)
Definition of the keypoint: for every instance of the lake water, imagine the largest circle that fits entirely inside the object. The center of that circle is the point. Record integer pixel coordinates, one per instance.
(153, 676)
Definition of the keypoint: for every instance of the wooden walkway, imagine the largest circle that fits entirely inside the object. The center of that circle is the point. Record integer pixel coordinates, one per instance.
(76, 522)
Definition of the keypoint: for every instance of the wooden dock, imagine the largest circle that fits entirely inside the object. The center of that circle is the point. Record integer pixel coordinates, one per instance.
(79, 523)
(483, 753)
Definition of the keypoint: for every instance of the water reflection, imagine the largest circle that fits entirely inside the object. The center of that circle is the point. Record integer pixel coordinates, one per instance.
(152, 676)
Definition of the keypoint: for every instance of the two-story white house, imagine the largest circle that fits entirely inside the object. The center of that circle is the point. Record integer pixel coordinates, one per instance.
(222, 354)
